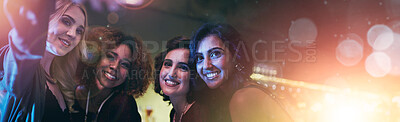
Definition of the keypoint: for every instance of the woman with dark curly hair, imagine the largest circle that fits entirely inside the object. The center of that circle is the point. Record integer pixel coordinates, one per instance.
(223, 63)
(175, 80)
(118, 69)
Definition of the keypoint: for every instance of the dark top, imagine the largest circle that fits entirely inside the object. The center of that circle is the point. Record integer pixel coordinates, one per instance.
(52, 110)
(194, 114)
(118, 108)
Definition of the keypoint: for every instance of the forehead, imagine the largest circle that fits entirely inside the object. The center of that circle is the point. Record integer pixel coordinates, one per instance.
(76, 13)
(123, 51)
(178, 55)
(209, 42)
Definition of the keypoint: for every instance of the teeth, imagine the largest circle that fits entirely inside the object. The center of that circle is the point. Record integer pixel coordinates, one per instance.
(210, 75)
(65, 42)
(171, 82)
(110, 76)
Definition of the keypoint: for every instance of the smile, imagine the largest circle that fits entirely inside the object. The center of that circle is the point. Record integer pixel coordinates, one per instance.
(212, 75)
(109, 76)
(64, 42)
(171, 83)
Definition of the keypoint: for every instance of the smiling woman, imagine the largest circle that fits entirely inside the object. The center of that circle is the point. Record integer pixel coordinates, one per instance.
(117, 70)
(30, 63)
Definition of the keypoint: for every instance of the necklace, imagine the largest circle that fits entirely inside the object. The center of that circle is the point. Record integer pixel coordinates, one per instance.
(184, 111)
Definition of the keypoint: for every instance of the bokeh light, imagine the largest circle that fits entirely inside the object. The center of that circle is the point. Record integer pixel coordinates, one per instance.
(303, 32)
(349, 52)
(134, 4)
(375, 31)
(378, 64)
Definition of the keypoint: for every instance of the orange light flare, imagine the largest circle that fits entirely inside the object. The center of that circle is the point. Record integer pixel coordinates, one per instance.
(325, 103)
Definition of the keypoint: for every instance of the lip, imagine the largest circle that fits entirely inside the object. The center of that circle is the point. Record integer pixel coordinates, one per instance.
(211, 75)
(171, 82)
(65, 42)
(110, 76)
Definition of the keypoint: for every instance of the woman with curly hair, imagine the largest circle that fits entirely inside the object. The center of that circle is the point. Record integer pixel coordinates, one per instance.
(117, 70)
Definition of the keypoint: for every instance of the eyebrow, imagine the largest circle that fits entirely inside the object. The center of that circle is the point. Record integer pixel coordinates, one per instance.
(215, 48)
(73, 20)
(183, 63)
(115, 54)
(69, 17)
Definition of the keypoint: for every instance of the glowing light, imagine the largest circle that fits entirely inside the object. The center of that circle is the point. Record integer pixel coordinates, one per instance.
(393, 52)
(375, 31)
(378, 64)
(349, 52)
(383, 41)
(303, 32)
(134, 4)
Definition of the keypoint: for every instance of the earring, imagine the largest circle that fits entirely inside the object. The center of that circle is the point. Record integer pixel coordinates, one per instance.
(239, 67)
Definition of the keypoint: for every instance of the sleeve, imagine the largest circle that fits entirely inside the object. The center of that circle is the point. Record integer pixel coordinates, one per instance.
(27, 40)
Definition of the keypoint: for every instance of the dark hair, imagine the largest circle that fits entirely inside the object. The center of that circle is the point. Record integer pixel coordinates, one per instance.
(242, 61)
(101, 39)
(178, 42)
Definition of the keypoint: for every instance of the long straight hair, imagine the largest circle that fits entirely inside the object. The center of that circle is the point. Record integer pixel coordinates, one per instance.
(63, 68)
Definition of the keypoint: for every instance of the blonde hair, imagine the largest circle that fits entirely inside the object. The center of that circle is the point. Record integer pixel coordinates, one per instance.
(63, 68)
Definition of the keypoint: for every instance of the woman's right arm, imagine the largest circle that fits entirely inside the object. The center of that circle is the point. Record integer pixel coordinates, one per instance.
(29, 20)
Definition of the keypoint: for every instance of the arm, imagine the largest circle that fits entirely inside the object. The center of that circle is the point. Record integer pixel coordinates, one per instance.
(29, 21)
(252, 104)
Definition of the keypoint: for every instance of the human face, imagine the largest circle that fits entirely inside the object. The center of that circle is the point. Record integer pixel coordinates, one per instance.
(114, 66)
(212, 61)
(67, 32)
(175, 73)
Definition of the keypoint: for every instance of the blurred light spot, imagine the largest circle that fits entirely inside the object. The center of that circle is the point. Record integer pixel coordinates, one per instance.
(383, 41)
(303, 32)
(112, 18)
(378, 64)
(316, 107)
(393, 52)
(349, 52)
(134, 4)
(375, 31)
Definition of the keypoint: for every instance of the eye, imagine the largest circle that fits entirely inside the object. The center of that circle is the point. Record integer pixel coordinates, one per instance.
(66, 21)
(199, 58)
(167, 64)
(79, 31)
(125, 65)
(215, 54)
(183, 68)
(110, 57)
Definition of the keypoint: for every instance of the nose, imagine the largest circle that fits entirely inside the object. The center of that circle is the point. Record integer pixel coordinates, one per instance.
(207, 63)
(71, 33)
(172, 73)
(113, 65)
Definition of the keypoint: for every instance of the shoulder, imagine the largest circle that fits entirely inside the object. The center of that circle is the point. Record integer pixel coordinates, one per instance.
(246, 96)
(252, 102)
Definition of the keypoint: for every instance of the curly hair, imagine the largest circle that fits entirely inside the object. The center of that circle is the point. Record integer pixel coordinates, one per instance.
(101, 39)
(178, 42)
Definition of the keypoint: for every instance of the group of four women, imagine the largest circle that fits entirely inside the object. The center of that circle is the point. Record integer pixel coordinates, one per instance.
(56, 69)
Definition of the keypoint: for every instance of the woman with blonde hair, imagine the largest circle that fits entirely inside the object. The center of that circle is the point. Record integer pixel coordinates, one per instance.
(45, 45)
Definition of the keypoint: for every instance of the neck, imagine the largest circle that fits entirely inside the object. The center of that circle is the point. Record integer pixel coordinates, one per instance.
(100, 91)
(179, 103)
(46, 61)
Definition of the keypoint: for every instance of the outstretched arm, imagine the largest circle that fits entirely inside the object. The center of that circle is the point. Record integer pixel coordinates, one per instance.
(29, 20)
